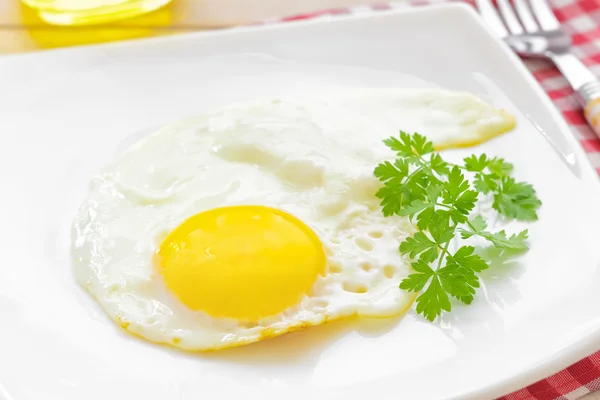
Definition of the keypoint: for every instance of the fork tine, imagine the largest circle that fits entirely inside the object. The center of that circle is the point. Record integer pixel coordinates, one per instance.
(491, 17)
(525, 16)
(543, 13)
(513, 24)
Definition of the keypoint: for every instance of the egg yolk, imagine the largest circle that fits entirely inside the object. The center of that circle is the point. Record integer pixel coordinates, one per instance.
(243, 262)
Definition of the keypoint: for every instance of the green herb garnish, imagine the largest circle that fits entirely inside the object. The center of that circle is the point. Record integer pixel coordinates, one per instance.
(440, 199)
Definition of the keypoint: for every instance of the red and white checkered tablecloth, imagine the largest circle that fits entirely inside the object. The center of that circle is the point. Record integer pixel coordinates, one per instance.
(581, 20)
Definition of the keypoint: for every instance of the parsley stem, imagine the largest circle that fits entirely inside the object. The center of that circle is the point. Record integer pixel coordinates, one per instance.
(456, 165)
(472, 227)
(424, 164)
(474, 231)
(410, 175)
(444, 251)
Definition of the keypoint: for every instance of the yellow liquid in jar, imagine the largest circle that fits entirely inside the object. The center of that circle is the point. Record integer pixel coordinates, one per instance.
(83, 12)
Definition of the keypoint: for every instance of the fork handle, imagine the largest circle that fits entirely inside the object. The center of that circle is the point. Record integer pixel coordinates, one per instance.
(589, 97)
(584, 82)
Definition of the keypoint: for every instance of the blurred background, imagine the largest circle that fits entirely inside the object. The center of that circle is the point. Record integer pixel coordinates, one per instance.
(30, 25)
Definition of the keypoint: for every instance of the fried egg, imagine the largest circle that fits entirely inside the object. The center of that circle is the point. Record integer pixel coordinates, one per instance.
(260, 218)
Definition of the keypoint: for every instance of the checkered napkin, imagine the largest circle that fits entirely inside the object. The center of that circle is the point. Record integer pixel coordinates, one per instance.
(581, 20)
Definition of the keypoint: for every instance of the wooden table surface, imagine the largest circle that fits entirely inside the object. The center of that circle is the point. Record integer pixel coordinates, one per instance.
(22, 31)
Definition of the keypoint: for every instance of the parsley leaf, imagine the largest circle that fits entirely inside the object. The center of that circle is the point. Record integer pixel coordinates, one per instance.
(465, 258)
(407, 145)
(516, 241)
(440, 229)
(417, 281)
(438, 165)
(388, 171)
(499, 239)
(401, 145)
(420, 245)
(516, 200)
(478, 224)
(476, 164)
(499, 167)
(486, 183)
(456, 194)
(459, 282)
(424, 208)
(488, 171)
(393, 198)
(432, 301)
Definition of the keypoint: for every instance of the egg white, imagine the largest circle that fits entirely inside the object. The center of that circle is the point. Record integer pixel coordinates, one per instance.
(312, 157)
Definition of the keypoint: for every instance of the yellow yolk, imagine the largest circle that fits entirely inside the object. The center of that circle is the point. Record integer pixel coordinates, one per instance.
(243, 262)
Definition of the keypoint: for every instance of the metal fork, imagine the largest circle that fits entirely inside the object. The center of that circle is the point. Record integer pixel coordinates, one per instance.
(534, 31)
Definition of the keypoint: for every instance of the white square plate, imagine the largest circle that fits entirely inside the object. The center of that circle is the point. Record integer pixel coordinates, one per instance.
(63, 114)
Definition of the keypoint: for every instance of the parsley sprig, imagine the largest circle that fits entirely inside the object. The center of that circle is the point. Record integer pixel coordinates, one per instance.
(436, 195)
